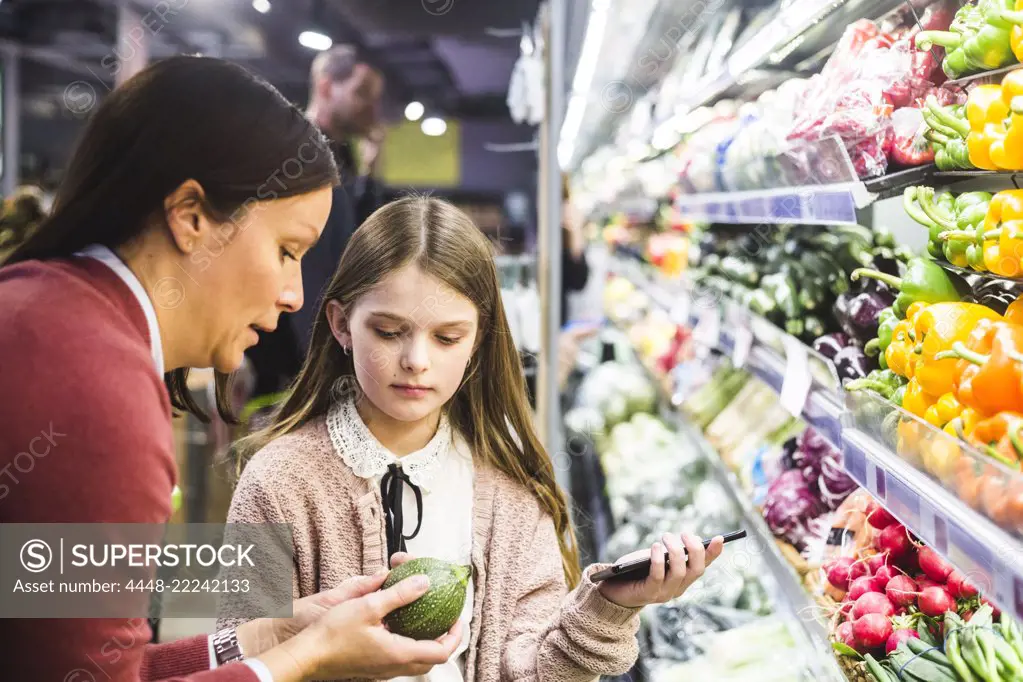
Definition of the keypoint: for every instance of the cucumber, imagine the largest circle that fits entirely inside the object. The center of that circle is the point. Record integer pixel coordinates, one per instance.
(433, 614)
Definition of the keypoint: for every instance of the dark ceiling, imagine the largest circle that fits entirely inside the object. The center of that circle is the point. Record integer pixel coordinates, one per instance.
(441, 52)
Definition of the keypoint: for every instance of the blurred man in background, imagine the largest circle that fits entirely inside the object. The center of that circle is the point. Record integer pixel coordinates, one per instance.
(344, 101)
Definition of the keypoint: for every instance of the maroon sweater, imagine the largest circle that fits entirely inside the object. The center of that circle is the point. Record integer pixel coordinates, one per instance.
(76, 369)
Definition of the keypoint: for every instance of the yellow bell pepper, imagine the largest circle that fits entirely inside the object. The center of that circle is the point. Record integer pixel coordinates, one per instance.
(916, 400)
(944, 410)
(900, 354)
(1007, 153)
(940, 457)
(963, 425)
(986, 111)
(937, 327)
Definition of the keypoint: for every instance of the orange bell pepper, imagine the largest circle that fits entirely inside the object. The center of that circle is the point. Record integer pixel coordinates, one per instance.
(1014, 313)
(991, 370)
(1000, 437)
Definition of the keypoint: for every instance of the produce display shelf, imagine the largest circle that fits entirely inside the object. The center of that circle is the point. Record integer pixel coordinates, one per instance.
(892, 184)
(795, 600)
(767, 359)
(967, 272)
(990, 557)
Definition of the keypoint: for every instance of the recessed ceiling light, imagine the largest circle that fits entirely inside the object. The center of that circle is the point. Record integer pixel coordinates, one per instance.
(434, 127)
(315, 40)
(414, 111)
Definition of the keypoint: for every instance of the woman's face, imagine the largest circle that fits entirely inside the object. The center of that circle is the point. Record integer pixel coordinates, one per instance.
(249, 272)
(411, 338)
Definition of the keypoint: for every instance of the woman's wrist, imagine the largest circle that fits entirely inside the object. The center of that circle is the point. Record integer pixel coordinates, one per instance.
(255, 637)
(295, 660)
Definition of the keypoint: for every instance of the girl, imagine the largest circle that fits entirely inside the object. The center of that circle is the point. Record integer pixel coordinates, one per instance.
(408, 431)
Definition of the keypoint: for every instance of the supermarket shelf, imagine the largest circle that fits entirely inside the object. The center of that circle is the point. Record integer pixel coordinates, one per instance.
(795, 599)
(990, 557)
(832, 204)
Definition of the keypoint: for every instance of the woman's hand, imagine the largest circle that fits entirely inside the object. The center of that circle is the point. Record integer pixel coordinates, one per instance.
(664, 584)
(350, 640)
(257, 636)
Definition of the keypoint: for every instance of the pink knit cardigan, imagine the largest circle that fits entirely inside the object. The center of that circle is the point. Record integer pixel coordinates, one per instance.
(525, 625)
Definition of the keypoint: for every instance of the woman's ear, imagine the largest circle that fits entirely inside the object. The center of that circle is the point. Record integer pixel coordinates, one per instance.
(338, 322)
(188, 222)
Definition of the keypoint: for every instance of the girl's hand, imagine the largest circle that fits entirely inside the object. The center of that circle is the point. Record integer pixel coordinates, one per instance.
(664, 584)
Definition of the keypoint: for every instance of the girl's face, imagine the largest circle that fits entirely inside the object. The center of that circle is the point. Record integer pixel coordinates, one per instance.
(411, 338)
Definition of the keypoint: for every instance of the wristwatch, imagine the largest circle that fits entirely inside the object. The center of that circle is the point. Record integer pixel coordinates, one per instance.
(225, 646)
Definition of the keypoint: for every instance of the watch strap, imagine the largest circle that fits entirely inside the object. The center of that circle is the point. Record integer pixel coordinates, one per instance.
(226, 647)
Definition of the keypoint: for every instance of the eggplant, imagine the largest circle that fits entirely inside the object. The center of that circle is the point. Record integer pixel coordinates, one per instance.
(858, 314)
(830, 344)
(851, 363)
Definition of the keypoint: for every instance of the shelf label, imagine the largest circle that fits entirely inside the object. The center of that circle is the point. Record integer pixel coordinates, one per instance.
(881, 484)
(708, 326)
(796, 386)
(742, 336)
(940, 539)
(833, 206)
(855, 463)
(785, 207)
(972, 557)
(681, 308)
(904, 503)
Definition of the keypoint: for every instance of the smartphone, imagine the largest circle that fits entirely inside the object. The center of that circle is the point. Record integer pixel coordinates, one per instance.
(639, 569)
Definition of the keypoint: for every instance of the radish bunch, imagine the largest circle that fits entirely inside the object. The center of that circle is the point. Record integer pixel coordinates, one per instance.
(886, 592)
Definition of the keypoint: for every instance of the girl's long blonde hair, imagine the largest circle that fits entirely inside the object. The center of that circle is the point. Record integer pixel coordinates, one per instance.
(490, 409)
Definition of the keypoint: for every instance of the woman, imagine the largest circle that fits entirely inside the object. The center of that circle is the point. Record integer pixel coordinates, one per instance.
(176, 235)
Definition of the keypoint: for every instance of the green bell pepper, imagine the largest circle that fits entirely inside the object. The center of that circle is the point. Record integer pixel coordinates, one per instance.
(882, 381)
(886, 322)
(913, 203)
(978, 39)
(924, 281)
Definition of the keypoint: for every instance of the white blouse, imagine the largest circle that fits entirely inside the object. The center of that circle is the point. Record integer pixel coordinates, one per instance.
(443, 470)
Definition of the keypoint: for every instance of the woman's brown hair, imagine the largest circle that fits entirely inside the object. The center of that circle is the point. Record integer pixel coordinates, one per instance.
(490, 409)
(181, 118)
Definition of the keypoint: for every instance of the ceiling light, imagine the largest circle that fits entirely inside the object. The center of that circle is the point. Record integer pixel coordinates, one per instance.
(315, 40)
(434, 127)
(261, 6)
(414, 111)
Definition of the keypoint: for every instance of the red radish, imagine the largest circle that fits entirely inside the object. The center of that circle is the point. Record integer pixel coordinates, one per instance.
(844, 570)
(846, 608)
(872, 630)
(881, 578)
(875, 562)
(960, 586)
(844, 634)
(923, 582)
(897, 638)
(861, 586)
(894, 540)
(935, 601)
(858, 569)
(908, 563)
(879, 517)
(933, 565)
(901, 590)
(872, 602)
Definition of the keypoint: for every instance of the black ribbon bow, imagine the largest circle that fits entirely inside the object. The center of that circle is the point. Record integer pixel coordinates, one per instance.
(391, 491)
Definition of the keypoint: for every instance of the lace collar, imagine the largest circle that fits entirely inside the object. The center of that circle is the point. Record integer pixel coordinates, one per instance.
(367, 457)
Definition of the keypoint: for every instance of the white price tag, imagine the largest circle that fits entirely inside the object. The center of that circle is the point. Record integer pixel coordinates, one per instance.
(795, 387)
(708, 326)
(742, 347)
(681, 308)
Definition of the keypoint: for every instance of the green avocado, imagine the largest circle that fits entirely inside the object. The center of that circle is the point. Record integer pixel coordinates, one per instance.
(433, 614)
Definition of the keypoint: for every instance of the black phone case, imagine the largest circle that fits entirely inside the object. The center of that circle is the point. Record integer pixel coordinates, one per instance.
(639, 569)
